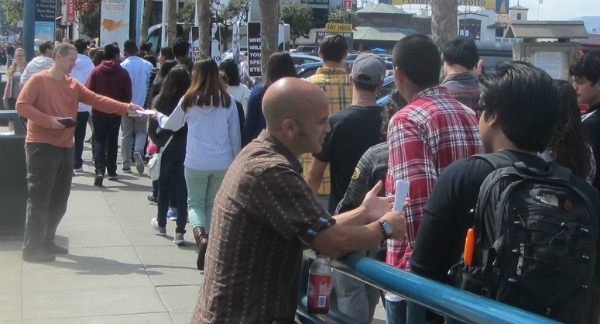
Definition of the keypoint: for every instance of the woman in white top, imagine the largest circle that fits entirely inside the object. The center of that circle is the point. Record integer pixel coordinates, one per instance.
(238, 90)
(213, 141)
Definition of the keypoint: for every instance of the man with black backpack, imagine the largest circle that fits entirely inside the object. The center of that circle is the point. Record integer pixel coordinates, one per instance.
(535, 224)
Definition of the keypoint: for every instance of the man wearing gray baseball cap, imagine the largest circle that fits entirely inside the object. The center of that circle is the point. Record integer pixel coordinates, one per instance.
(353, 131)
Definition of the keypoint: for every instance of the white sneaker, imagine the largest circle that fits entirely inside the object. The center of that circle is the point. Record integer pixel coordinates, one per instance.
(162, 231)
(178, 239)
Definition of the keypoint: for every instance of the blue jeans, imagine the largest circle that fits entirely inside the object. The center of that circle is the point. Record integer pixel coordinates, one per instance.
(395, 312)
(106, 143)
(130, 126)
(202, 189)
(82, 118)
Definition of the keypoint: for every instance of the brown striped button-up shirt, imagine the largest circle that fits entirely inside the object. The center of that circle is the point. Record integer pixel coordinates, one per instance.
(263, 214)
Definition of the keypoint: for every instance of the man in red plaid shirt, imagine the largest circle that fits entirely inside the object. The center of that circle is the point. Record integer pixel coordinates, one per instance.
(424, 137)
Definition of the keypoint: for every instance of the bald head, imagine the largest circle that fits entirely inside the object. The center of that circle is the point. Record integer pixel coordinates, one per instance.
(291, 98)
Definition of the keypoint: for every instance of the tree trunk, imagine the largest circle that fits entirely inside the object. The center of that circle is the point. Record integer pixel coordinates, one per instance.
(269, 15)
(146, 21)
(171, 22)
(443, 20)
(204, 27)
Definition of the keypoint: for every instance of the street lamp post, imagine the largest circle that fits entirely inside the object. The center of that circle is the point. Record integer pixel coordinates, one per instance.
(28, 42)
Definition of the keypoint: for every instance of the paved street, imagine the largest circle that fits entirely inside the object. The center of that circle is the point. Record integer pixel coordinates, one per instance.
(117, 270)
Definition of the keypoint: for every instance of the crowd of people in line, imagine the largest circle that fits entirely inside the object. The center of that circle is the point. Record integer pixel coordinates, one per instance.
(245, 166)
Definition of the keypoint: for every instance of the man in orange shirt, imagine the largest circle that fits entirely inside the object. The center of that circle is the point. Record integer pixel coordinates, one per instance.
(49, 100)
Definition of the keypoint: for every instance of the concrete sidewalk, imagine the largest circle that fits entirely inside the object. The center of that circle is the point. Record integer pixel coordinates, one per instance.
(117, 269)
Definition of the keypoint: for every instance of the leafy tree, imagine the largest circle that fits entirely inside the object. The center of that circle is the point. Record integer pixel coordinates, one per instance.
(299, 16)
(12, 12)
(89, 22)
(340, 15)
(187, 13)
(234, 12)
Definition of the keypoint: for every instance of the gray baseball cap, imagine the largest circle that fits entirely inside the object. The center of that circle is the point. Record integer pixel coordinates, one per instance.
(368, 68)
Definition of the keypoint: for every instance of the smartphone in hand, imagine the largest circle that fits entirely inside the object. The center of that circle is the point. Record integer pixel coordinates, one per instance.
(68, 122)
(401, 194)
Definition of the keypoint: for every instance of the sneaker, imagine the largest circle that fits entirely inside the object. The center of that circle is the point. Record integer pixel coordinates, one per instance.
(78, 169)
(38, 256)
(112, 176)
(152, 199)
(126, 169)
(178, 239)
(98, 180)
(171, 215)
(162, 231)
(52, 248)
(139, 162)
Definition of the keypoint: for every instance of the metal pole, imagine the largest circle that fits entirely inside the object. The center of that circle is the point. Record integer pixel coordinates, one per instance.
(28, 42)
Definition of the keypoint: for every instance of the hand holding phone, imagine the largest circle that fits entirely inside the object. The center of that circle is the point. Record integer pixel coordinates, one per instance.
(68, 122)
(401, 194)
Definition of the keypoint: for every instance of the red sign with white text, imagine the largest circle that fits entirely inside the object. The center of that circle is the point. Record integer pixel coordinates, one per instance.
(70, 12)
(348, 4)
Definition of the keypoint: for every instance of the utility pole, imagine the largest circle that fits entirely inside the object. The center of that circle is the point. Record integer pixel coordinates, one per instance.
(28, 41)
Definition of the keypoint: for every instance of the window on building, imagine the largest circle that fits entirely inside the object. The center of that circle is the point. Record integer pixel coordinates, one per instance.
(518, 16)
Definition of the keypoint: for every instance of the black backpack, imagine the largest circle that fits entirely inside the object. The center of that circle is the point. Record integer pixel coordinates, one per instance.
(535, 245)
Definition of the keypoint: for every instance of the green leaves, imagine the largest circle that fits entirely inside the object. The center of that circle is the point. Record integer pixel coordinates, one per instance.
(299, 16)
(341, 16)
(12, 12)
(90, 22)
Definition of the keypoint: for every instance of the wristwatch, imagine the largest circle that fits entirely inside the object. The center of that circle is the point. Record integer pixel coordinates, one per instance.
(386, 227)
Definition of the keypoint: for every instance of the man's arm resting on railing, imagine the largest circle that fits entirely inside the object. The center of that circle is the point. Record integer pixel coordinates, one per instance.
(356, 230)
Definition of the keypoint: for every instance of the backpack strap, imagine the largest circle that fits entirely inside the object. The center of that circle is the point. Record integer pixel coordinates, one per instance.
(496, 160)
(506, 159)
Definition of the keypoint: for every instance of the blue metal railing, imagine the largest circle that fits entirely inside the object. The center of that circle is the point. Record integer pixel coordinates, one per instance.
(454, 304)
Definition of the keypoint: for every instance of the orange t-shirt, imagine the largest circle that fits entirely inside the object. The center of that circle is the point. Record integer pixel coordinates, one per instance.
(43, 97)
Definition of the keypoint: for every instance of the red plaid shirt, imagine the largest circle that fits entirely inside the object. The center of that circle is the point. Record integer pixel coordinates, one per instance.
(424, 137)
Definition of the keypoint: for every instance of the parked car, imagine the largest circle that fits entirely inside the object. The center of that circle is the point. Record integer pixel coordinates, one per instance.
(307, 69)
(303, 58)
(388, 87)
(306, 49)
(352, 56)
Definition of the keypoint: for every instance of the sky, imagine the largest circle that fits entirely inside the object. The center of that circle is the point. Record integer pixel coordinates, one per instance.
(560, 9)
(552, 9)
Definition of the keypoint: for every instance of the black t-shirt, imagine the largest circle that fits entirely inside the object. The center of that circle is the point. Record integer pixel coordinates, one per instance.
(592, 121)
(353, 131)
(446, 218)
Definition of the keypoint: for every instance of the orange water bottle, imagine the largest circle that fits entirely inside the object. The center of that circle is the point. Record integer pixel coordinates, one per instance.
(319, 285)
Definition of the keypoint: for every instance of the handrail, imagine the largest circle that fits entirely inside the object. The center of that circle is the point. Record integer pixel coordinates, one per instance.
(422, 293)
